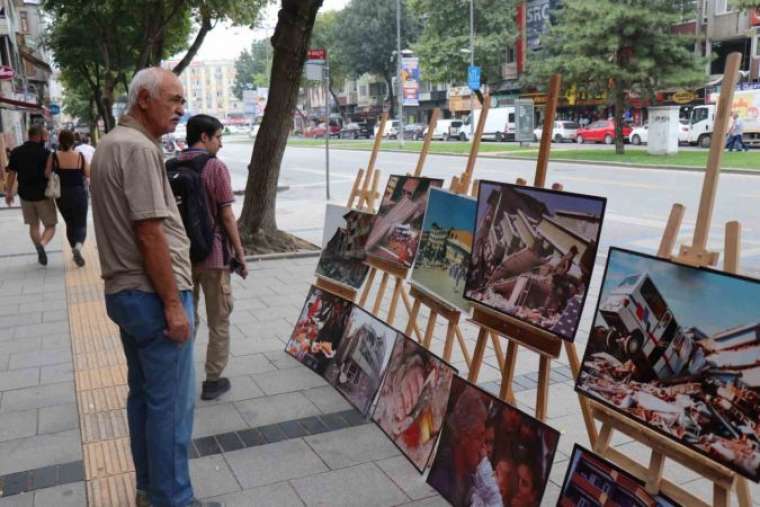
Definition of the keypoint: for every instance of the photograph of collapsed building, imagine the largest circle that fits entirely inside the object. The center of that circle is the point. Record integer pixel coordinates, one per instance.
(677, 349)
(592, 481)
(411, 404)
(491, 453)
(397, 226)
(533, 254)
(319, 329)
(444, 252)
(362, 358)
(343, 253)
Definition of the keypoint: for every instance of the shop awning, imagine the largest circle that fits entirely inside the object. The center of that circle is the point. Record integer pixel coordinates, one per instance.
(20, 105)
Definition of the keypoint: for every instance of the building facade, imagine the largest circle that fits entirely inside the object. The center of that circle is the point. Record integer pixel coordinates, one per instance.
(209, 87)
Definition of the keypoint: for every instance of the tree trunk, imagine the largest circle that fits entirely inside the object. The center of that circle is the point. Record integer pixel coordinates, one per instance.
(391, 95)
(290, 43)
(205, 28)
(619, 92)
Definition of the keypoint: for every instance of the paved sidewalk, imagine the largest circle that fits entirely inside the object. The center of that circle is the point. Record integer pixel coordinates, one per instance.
(281, 437)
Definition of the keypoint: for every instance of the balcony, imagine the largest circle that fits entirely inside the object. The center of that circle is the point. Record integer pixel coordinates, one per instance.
(5, 26)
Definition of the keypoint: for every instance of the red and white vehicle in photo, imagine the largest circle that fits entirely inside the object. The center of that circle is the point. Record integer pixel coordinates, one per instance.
(602, 131)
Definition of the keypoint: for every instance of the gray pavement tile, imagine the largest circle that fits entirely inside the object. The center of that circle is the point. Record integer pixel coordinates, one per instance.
(216, 419)
(271, 463)
(272, 433)
(10, 309)
(251, 437)
(246, 346)
(20, 345)
(352, 446)
(56, 342)
(247, 365)
(67, 495)
(4, 358)
(229, 441)
(37, 330)
(369, 486)
(312, 425)
(334, 422)
(241, 388)
(45, 477)
(207, 446)
(22, 500)
(433, 501)
(249, 303)
(406, 477)
(72, 472)
(17, 379)
(25, 453)
(211, 476)
(37, 397)
(283, 381)
(16, 483)
(274, 495)
(55, 373)
(277, 408)
(293, 429)
(58, 418)
(20, 319)
(39, 358)
(282, 360)
(18, 425)
(55, 316)
(280, 328)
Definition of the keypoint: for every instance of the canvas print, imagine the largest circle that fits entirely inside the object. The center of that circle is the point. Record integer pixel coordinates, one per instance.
(678, 349)
(491, 453)
(444, 252)
(397, 227)
(362, 358)
(533, 254)
(343, 254)
(412, 401)
(592, 481)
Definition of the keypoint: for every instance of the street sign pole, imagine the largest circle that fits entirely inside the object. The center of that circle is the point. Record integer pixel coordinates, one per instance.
(326, 82)
(398, 73)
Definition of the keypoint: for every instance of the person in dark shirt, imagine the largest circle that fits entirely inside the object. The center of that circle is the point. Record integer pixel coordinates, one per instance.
(27, 165)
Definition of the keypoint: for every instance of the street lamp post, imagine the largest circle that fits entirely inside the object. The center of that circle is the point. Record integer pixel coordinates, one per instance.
(400, 91)
(472, 64)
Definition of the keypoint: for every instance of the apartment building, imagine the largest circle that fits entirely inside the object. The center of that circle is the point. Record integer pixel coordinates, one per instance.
(208, 87)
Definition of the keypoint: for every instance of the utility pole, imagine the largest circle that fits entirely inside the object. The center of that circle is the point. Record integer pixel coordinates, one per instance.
(326, 82)
(398, 73)
(472, 64)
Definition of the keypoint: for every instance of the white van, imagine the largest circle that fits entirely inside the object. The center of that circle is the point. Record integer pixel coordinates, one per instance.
(500, 124)
(444, 127)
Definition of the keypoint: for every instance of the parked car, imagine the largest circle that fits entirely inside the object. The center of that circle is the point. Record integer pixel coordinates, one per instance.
(253, 131)
(602, 131)
(355, 131)
(639, 135)
(562, 131)
(414, 131)
(442, 128)
(319, 130)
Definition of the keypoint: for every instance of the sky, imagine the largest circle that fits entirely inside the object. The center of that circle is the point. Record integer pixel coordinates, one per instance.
(226, 42)
(449, 210)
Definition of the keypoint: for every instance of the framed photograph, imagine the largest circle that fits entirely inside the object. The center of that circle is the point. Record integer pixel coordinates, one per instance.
(411, 404)
(319, 329)
(491, 453)
(677, 349)
(397, 226)
(592, 481)
(362, 358)
(445, 247)
(533, 254)
(343, 254)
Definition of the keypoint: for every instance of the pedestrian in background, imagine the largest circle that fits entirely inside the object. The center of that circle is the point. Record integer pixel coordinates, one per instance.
(145, 263)
(212, 275)
(74, 173)
(27, 166)
(735, 134)
(85, 148)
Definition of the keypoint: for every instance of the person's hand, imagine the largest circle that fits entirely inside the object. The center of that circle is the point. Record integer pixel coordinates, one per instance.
(9, 198)
(177, 325)
(243, 271)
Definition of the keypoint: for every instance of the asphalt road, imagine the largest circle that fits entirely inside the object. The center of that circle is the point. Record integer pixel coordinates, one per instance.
(638, 200)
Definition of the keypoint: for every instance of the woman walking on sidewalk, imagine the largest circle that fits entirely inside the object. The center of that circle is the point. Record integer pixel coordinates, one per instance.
(74, 172)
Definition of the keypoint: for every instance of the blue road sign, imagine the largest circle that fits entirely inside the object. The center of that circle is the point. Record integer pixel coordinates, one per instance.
(473, 77)
(54, 109)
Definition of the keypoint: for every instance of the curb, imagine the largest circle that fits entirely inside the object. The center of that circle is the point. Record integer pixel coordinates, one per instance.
(280, 188)
(298, 254)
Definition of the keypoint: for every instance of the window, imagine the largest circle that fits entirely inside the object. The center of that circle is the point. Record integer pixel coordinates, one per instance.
(24, 21)
(510, 55)
(723, 6)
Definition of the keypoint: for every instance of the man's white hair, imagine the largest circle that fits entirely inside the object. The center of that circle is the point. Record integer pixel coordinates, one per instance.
(148, 79)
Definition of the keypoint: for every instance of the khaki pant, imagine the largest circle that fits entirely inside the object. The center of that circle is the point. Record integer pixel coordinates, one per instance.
(217, 293)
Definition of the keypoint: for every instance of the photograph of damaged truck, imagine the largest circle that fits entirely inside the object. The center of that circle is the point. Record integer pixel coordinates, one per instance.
(678, 349)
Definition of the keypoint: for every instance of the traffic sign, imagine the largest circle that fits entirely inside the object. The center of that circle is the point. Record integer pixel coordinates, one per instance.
(473, 77)
(54, 109)
(317, 54)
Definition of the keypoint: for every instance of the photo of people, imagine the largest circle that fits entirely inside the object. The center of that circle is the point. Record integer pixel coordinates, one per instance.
(343, 252)
(491, 453)
(397, 226)
(533, 254)
(319, 329)
(412, 401)
(592, 481)
(677, 349)
(444, 252)
(362, 358)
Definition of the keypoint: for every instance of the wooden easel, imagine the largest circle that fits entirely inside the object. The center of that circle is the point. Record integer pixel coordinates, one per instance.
(388, 269)
(696, 254)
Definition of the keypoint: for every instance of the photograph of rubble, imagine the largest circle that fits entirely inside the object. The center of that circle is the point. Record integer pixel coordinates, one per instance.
(411, 404)
(592, 481)
(343, 254)
(533, 254)
(677, 349)
(444, 252)
(397, 226)
(319, 329)
(491, 453)
(361, 359)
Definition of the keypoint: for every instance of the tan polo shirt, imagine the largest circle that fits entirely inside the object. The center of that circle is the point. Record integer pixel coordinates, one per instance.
(129, 184)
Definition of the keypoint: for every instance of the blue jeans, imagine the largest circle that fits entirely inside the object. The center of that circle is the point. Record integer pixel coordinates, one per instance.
(161, 397)
(731, 144)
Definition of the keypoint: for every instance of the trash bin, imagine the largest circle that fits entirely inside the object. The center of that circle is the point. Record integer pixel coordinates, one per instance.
(662, 137)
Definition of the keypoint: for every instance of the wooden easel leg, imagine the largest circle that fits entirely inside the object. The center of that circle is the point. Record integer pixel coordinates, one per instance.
(575, 368)
(603, 440)
(367, 286)
(654, 480)
(380, 294)
(448, 345)
(412, 322)
(542, 396)
(497, 349)
(394, 301)
(429, 330)
(742, 492)
(463, 346)
(508, 373)
(477, 357)
(408, 306)
(720, 496)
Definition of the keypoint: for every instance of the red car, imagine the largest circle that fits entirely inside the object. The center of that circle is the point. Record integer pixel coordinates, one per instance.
(318, 131)
(600, 131)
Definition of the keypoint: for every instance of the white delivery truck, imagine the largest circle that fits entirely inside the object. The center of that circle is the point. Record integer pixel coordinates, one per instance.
(500, 124)
(746, 103)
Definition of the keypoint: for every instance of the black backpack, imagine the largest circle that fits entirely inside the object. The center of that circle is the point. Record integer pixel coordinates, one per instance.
(185, 178)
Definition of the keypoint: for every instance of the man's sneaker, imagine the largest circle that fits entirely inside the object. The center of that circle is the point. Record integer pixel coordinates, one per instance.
(141, 499)
(208, 503)
(78, 259)
(212, 389)
(41, 255)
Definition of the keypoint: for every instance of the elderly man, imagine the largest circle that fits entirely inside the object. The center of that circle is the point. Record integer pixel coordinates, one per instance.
(145, 262)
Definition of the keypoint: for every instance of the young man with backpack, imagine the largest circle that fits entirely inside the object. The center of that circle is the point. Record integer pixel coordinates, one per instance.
(201, 184)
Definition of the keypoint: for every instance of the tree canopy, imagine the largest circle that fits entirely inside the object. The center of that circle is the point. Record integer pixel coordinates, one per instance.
(252, 67)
